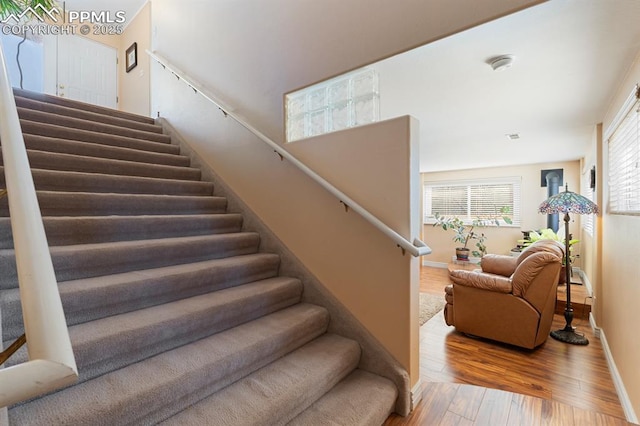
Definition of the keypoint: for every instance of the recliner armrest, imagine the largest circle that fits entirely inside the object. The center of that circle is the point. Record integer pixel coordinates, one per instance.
(480, 280)
(499, 264)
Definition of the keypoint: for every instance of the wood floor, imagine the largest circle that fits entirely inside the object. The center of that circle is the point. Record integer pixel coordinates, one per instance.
(477, 382)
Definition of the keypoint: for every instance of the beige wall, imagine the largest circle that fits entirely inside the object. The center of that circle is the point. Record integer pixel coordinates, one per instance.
(620, 293)
(379, 286)
(500, 240)
(134, 86)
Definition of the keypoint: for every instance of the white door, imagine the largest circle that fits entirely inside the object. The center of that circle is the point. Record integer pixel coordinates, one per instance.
(87, 71)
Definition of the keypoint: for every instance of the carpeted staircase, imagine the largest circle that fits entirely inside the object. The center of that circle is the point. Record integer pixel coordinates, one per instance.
(175, 316)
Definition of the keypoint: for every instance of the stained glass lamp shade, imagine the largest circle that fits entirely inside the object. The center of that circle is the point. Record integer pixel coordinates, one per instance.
(568, 202)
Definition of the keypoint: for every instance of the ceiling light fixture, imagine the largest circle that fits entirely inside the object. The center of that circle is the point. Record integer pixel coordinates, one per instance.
(502, 62)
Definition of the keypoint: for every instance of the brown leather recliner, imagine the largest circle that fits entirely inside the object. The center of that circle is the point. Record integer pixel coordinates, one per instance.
(511, 300)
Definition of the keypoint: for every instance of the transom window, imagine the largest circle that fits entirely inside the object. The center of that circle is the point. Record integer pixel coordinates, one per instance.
(346, 101)
(624, 158)
(471, 200)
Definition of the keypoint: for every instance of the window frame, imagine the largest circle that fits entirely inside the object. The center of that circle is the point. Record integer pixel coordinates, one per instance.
(332, 105)
(623, 151)
(587, 221)
(516, 182)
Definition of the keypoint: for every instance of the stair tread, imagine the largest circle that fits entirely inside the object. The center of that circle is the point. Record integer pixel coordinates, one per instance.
(279, 390)
(145, 243)
(79, 163)
(93, 126)
(63, 203)
(65, 230)
(72, 181)
(88, 149)
(92, 260)
(78, 181)
(158, 387)
(60, 132)
(361, 399)
(56, 100)
(84, 299)
(39, 105)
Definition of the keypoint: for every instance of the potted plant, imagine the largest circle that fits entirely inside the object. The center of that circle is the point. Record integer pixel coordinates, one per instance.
(549, 234)
(463, 232)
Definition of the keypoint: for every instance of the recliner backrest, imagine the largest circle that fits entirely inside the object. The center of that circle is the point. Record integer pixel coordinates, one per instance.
(552, 246)
(536, 276)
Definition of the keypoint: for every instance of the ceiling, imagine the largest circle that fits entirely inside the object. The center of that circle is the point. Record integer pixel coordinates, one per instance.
(570, 57)
(130, 7)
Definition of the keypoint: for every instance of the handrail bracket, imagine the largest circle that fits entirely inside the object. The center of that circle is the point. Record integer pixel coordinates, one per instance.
(12, 349)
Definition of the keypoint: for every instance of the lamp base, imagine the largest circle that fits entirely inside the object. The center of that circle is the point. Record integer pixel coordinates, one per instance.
(568, 335)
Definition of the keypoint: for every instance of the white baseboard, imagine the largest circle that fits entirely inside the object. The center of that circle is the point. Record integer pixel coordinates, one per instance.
(627, 407)
(585, 280)
(594, 326)
(416, 394)
(443, 265)
(434, 264)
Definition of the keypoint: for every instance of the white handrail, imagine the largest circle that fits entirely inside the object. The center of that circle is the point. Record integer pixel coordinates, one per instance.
(51, 362)
(417, 248)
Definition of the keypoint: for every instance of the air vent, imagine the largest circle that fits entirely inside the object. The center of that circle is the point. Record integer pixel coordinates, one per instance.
(513, 136)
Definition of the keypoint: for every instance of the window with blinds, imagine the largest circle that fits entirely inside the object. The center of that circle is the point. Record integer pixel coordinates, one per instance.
(587, 219)
(471, 200)
(624, 159)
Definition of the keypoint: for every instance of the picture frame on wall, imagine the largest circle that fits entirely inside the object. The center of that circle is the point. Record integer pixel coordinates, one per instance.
(131, 58)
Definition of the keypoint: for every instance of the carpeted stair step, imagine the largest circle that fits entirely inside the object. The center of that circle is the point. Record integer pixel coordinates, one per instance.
(90, 299)
(361, 399)
(60, 132)
(94, 260)
(111, 343)
(56, 180)
(161, 386)
(92, 126)
(54, 203)
(36, 105)
(87, 149)
(278, 392)
(77, 163)
(65, 230)
(55, 100)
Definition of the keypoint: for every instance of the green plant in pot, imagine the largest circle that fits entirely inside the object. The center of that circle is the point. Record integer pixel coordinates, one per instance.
(549, 234)
(464, 232)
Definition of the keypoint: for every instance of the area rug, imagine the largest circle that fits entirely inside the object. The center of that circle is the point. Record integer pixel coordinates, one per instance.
(430, 304)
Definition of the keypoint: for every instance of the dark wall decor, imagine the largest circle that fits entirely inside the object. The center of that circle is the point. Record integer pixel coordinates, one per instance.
(131, 58)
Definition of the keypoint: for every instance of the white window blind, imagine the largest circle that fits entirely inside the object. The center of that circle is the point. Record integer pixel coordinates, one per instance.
(624, 161)
(587, 191)
(470, 200)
